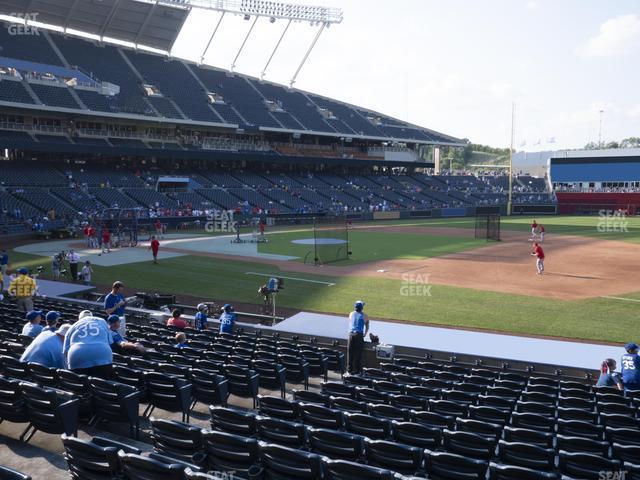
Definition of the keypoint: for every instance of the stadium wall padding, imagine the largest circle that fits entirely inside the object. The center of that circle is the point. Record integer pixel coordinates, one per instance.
(575, 202)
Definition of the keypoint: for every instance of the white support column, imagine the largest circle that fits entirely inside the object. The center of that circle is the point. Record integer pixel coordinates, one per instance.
(264, 70)
(306, 56)
(204, 53)
(233, 65)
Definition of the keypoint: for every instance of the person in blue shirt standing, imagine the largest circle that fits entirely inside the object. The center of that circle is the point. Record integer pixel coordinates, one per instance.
(358, 329)
(201, 317)
(227, 319)
(52, 319)
(32, 328)
(114, 304)
(630, 367)
(4, 262)
(87, 346)
(46, 349)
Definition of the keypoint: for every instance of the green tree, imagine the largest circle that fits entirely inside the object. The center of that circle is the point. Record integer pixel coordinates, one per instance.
(631, 142)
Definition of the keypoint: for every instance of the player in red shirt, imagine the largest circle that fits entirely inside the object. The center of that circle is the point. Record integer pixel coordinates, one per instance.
(93, 240)
(541, 230)
(158, 227)
(154, 247)
(106, 240)
(534, 230)
(539, 253)
(86, 230)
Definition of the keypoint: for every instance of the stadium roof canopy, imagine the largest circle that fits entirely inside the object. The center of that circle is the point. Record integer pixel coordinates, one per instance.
(141, 22)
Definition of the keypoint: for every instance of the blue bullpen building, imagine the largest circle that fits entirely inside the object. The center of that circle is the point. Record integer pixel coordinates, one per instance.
(595, 170)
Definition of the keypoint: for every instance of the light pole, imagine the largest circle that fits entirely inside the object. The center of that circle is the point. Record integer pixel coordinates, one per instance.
(600, 131)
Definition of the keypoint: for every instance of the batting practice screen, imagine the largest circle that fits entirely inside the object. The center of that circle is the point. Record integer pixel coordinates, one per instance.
(488, 226)
(331, 240)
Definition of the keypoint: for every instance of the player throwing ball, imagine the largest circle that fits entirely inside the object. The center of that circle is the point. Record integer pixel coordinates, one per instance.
(539, 253)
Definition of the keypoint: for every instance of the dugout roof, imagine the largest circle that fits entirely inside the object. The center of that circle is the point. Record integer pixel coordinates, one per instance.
(142, 22)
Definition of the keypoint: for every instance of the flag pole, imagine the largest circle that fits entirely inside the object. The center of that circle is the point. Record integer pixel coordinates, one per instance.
(509, 203)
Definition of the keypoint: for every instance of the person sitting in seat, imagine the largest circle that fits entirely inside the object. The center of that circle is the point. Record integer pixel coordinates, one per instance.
(181, 340)
(46, 349)
(52, 318)
(87, 346)
(608, 376)
(33, 328)
(120, 343)
(176, 321)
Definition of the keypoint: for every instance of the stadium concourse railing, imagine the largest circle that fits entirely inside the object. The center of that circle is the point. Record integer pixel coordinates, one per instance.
(251, 323)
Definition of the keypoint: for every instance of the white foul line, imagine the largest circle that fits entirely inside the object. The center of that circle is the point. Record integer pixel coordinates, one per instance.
(622, 298)
(290, 278)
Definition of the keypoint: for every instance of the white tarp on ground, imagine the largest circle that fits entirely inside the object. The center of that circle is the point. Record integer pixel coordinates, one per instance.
(123, 256)
(511, 347)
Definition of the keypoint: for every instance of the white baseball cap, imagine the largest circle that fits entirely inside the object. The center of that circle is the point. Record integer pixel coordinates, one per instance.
(62, 331)
(85, 313)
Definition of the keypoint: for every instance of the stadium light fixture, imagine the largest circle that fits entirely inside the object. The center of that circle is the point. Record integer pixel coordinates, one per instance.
(266, 8)
(322, 17)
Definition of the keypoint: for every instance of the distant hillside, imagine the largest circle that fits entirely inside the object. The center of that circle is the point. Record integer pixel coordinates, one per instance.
(486, 158)
(474, 154)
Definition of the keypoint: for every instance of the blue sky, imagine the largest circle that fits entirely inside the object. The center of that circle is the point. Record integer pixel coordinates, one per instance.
(457, 65)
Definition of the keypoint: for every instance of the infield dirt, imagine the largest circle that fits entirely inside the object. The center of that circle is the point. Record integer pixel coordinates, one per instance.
(576, 267)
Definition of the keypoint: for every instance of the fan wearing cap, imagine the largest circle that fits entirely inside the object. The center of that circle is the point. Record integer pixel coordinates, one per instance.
(119, 342)
(201, 318)
(46, 348)
(630, 367)
(227, 319)
(52, 318)
(33, 328)
(87, 346)
(23, 287)
(358, 329)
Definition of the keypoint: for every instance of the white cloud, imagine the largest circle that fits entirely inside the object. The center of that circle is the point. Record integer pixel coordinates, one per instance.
(634, 112)
(532, 5)
(617, 36)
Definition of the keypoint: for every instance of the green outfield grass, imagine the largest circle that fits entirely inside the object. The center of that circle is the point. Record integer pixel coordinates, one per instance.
(594, 319)
(368, 246)
(588, 226)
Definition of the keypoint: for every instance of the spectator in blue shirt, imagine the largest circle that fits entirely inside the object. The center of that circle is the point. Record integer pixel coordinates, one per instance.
(4, 262)
(358, 329)
(33, 327)
(120, 343)
(46, 349)
(608, 376)
(630, 367)
(227, 319)
(87, 346)
(114, 304)
(181, 341)
(52, 318)
(201, 317)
